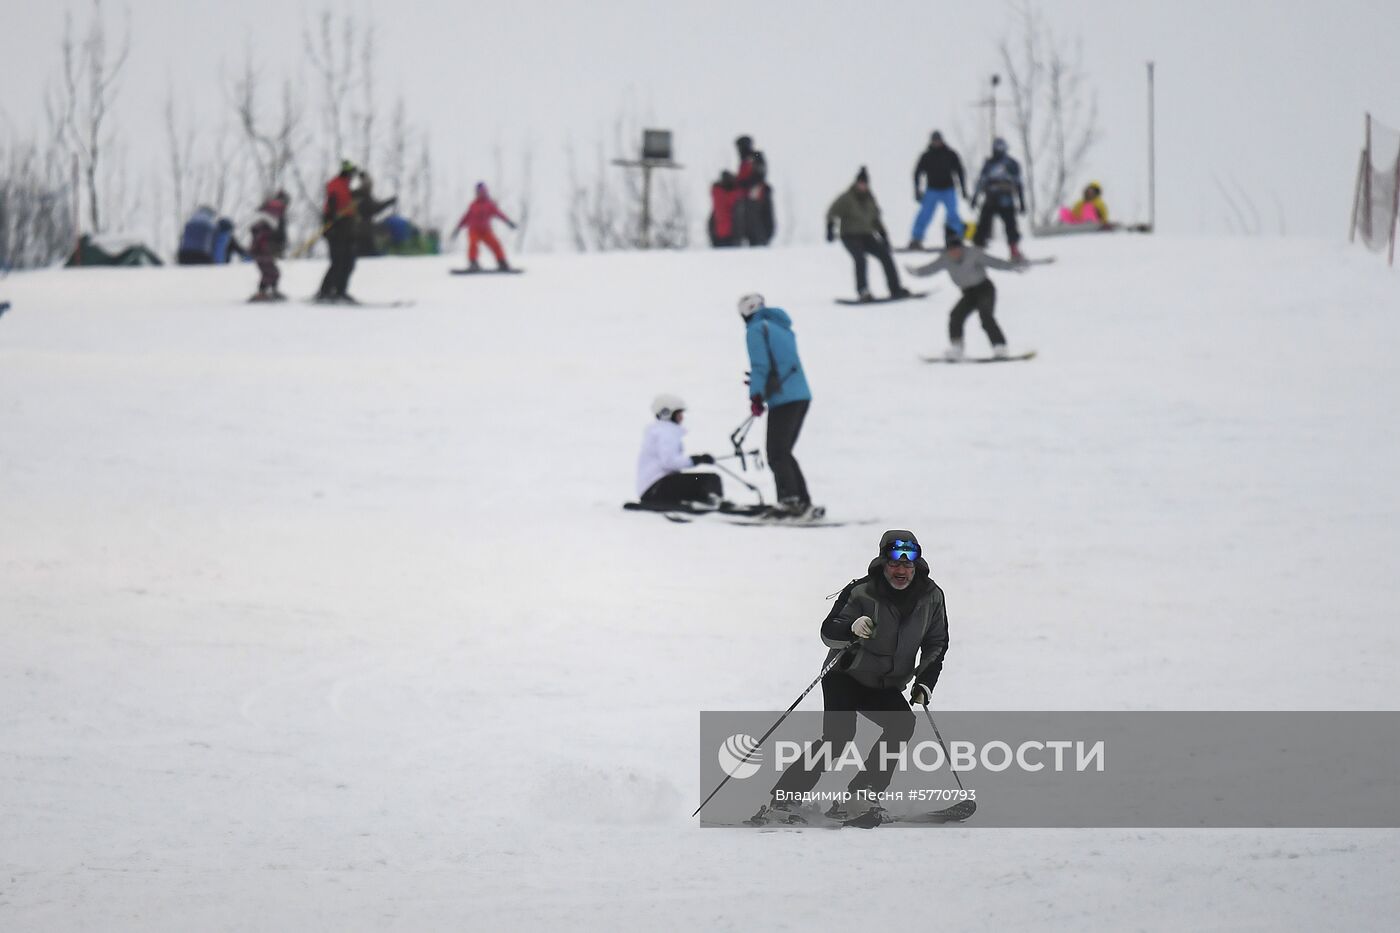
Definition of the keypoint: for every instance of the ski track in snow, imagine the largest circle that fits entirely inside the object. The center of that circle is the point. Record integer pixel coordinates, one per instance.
(323, 621)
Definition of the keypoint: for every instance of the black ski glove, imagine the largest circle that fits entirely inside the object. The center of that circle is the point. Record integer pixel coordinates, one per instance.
(830, 231)
(920, 695)
(699, 459)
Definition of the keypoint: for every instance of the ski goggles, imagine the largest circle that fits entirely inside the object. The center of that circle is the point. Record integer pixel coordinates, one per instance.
(902, 550)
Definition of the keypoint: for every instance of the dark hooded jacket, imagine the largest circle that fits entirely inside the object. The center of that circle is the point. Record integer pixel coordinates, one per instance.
(911, 629)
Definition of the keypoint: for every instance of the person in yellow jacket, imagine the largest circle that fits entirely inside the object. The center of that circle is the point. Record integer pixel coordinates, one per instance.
(1090, 209)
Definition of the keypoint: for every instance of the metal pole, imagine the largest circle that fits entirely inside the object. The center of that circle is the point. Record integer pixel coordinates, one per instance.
(996, 79)
(1394, 208)
(646, 205)
(77, 216)
(1366, 182)
(1356, 197)
(1151, 148)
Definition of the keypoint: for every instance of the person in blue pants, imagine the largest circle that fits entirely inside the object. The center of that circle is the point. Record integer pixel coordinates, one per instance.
(934, 185)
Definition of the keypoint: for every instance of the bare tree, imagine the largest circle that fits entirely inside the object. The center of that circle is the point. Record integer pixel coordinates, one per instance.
(1054, 112)
(90, 74)
(514, 191)
(37, 204)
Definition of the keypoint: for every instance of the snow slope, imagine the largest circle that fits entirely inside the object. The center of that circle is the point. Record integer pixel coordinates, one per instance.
(328, 619)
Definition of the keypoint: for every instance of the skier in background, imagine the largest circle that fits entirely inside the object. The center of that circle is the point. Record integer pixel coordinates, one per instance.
(1089, 209)
(661, 479)
(338, 216)
(776, 380)
(862, 233)
(725, 196)
(933, 185)
(999, 183)
(477, 220)
(880, 622)
(967, 267)
(753, 214)
(367, 208)
(263, 247)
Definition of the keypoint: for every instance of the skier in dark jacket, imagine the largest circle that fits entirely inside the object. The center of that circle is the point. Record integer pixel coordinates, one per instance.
(367, 208)
(339, 217)
(888, 627)
(934, 185)
(753, 213)
(999, 183)
(863, 233)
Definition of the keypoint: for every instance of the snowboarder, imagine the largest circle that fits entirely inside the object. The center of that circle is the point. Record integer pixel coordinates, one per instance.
(661, 479)
(967, 267)
(776, 379)
(338, 219)
(999, 183)
(263, 247)
(725, 195)
(367, 208)
(753, 214)
(933, 185)
(862, 233)
(1090, 209)
(879, 623)
(477, 220)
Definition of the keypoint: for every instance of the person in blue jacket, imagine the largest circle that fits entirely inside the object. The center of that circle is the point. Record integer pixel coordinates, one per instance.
(776, 380)
(207, 238)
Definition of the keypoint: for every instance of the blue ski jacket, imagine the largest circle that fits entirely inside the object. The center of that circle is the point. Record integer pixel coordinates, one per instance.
(775, 370)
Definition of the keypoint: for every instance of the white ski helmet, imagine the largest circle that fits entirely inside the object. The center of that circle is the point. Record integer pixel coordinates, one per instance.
(665, 406)
(750, 305)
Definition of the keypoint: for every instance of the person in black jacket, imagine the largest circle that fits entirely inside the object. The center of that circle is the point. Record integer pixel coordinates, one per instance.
(754, 222)
(933, 185)
(878, 625)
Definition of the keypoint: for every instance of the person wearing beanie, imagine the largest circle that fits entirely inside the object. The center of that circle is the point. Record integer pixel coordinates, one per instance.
(934, 185)
(863, 233)
(754, 221)
(477, 220)
(338, 216)
(967, 267)
(887, 628)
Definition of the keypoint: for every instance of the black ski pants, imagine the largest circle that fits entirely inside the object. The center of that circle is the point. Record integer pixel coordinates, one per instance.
(341, 240)
(869, 244)
(981, 298)
(784, 424)
(843, 697)
(991, 208)
(683, 487)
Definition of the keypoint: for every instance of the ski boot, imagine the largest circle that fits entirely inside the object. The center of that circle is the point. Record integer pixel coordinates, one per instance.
(473, 266)
(999, 351)
(900, 292)
(864, 295)
(780, 813)
(916, 246)
(954, 353)
(1017, 255)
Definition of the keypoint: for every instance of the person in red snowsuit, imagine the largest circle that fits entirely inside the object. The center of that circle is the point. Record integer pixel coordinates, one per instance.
(265, 244)
(725, 195)
(477, 220)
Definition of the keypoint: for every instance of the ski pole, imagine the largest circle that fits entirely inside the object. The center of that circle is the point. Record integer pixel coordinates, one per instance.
(740, 480)
(737, 439)
(939, 736)
(825, 670)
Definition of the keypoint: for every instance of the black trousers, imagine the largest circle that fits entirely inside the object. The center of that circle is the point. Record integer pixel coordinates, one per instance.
(869, 244)
(843, 697)
(684, 487)
(342, 245)
(784, 424)
(981, 298)
(993, 208)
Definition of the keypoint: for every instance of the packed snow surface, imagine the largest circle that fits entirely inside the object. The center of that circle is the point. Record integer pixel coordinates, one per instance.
(329, 619)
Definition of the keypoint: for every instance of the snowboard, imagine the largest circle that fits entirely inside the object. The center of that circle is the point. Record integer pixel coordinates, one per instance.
(408, 303)
(683, 514)
(1015, 357)
(881, 301)
(264, 300)
(510, 271)
(959, 812)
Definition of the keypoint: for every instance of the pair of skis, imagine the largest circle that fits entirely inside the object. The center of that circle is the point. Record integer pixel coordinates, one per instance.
(751, 515)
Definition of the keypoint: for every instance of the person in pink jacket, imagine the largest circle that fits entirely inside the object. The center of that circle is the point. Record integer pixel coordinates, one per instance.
(477, 220)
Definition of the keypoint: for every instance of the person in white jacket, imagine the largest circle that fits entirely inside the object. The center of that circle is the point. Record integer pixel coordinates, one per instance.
(661, 479)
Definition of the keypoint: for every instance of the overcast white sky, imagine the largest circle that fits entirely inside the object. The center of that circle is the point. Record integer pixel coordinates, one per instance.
(1266, 96)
